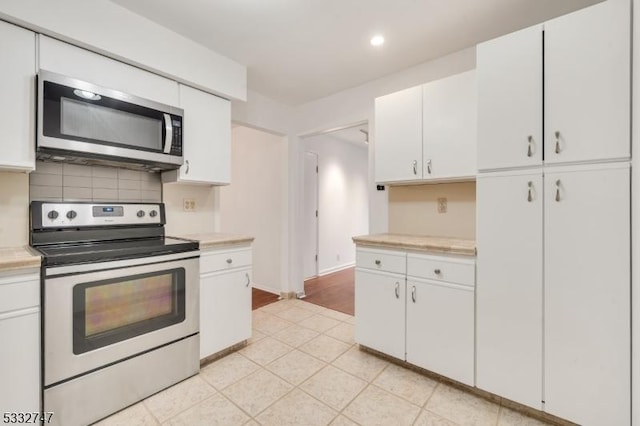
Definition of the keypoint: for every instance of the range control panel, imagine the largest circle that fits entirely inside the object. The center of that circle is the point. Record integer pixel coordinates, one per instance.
(56, 215)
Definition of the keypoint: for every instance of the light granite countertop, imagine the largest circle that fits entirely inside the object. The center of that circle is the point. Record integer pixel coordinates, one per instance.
(419, 243)
(15, 258)
(215, 239)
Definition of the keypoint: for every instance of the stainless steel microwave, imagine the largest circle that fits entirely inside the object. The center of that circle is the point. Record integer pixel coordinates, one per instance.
(84, 123)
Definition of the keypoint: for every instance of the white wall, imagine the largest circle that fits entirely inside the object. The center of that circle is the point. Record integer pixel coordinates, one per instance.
(255, 202)
(342, 199)
(14, 209)
(114, 31)
(635, 218)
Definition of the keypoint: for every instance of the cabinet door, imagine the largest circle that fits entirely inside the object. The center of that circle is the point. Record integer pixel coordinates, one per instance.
(449, 127)
(20, 361)
(587, 296)
(509, 72)
(440, 328)
(17, 103)
(587, 84)
(72, 61)
(398, 136)
(509, 286)
(206, 139)
(225, 310)
(379, 311)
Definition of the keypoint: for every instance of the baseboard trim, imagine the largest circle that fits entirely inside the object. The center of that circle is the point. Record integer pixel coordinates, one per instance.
(336, 269)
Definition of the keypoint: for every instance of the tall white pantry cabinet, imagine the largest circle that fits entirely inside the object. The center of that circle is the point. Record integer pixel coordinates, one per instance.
(553, 231)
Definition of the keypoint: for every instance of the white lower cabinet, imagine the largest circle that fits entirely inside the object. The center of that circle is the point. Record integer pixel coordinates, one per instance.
(423, 314)
(225, 299)
(20, 347)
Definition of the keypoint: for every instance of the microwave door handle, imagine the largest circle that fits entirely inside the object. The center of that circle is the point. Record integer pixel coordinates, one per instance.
(168, 134)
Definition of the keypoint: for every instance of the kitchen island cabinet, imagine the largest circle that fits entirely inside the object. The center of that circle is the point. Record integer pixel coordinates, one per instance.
(19, 331)
(17, 103)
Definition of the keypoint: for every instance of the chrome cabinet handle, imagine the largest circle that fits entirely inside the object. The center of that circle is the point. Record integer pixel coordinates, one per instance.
(248, 279)
(530, 196)
(186, 162)
(378, 262)
(413, 294)
(229, 261)
(429, 166)
(437, 271)
(397, 290)
(415, 167)
(558, 190)
(557, 134)
(530, 146)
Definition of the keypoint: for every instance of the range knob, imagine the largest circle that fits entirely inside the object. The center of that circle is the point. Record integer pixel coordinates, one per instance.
(140, 213)
(71, 214)
(52, 215)
(153, 213)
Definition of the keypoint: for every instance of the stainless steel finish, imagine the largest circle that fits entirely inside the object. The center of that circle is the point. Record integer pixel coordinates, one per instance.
(530, 195)
(248, 279)
(529, 146)
(91, 397)
(378, 262)
(89, 267)
(558, 190)
(186, 172)
(84, 215)
(413, 294)
(229, 261)
(91, 149)
(168, 133)
(60, 361)
(397, 290)
(415, 167)
(557, 134)
(429, 166)
(437, 271)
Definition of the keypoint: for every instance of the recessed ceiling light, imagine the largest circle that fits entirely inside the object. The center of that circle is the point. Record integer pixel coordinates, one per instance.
(87, 95)
(377, 40)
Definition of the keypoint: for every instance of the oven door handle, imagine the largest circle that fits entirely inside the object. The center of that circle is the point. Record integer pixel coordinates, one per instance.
(168, 133)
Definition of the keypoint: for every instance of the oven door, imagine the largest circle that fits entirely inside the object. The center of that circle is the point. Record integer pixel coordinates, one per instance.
(84, 120)
(99, 314)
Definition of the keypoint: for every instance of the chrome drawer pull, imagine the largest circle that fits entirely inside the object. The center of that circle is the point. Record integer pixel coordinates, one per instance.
(229, 261)
(413, 294)
(378, 262)
(437, 271)
(397, 290)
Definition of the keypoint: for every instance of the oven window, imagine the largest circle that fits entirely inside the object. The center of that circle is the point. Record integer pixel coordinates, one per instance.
(109, 311)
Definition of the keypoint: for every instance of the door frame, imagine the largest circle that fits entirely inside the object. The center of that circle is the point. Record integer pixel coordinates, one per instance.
(316, 202)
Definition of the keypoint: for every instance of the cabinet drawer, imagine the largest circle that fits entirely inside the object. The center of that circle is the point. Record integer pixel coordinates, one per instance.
(19, 292)
(441, 268)
(382, 260)
(220, 260)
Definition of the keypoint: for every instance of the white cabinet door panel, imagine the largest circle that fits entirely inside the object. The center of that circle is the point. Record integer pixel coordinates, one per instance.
(380, 311)
(398, 136)
(225, 310)
(509, 71)
(91, 67)
(587, 84)
(440, 328)
(587, 293)
(17, 103)
(449, 126)
(509, 286)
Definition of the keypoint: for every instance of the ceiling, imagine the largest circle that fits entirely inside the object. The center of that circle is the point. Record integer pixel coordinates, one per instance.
(297, 51)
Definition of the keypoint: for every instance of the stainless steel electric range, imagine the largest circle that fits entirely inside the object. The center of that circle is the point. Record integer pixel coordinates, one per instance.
(120, 306)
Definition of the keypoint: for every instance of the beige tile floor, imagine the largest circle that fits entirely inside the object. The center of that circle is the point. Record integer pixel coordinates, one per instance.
(302, 367)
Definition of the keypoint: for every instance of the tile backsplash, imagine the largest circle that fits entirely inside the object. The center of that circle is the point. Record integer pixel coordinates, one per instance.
(71, 182)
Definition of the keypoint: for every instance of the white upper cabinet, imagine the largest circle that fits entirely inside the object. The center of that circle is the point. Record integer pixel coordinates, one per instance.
(398, 136)
(17, 103)
(449, 122)
(72, 61)
(509, 71)
(206, 139)
(587, 84)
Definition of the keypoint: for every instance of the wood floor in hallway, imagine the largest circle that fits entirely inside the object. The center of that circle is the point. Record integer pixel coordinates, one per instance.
(334, 291)
(260, 298)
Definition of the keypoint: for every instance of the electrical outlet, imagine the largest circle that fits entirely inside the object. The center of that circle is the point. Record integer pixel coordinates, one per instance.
(189, 204)
(442, 205)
